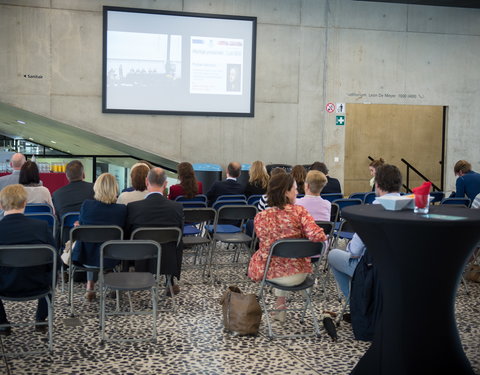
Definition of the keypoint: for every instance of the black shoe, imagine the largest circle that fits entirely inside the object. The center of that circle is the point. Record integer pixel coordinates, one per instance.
(347, 318)
(5, 331)
(41, 328)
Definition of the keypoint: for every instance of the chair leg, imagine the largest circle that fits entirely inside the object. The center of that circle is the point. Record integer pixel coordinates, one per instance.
(50, 322)
(70, 280)
(102, 312)
(309, 305)
(154, 316)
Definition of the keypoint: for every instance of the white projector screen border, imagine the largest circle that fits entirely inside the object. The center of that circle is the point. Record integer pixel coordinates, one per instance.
(204, 63)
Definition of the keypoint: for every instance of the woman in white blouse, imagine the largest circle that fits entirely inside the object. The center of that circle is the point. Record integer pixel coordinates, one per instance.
(30, 179)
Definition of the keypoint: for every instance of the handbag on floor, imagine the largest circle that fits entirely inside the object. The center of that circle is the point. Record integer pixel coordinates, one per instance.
(67, 252)
(241, 312)
(473, 273)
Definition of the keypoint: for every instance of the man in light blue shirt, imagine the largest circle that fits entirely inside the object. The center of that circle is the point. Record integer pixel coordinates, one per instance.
(388, 181)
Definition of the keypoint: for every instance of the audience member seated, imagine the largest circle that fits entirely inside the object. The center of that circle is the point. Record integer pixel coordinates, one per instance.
(102, 210)
(468, 181)
(69, 198)
(138, 175)
(188, 186)
(316, 206)
(30, 179)
(263, 202)
(16, 163)
(372, 167)
(388, 181)
(476, 202)
(282, 220)
(333, 185)
(258, 179)
(140, 162)
(18, 229)
(157, 211)
(299, 173)
(230, 186)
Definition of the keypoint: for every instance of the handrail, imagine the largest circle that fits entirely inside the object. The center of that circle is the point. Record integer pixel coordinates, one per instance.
(410, 166)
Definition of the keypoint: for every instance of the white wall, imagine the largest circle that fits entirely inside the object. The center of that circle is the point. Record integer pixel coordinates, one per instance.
(309, 52)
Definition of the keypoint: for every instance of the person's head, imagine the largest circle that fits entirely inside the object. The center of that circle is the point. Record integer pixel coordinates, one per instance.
(388, 179)
(299, 173)
(258, 174)
(29, 174)
(17, 161)
(319, 166)
(374, 164)
(461, 167)
(138, 176)
(74, 171)
(106, 188)
(13, 198)
(315, 182)
(156, 180)
(186, 175)
(282, 190)
(277, 170)
(234, 169)
(141, 162)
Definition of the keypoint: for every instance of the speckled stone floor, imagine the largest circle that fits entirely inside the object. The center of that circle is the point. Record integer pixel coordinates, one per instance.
(192, 341)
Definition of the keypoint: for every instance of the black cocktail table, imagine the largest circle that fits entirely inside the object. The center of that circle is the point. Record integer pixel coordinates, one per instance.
(420, 259)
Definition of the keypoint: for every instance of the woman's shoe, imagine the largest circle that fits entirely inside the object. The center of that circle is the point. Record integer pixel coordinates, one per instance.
(90, 295)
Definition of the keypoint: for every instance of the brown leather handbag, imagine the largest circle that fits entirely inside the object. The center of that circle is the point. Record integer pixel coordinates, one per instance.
(241, 312)
(473, 273)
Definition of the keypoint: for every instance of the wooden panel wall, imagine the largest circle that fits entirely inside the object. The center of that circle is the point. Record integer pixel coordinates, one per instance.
(392, 132)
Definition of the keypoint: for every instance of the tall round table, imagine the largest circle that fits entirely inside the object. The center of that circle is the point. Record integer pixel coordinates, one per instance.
(420, 260)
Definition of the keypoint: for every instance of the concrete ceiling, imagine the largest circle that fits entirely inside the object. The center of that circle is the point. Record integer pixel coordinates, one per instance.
(440, 3)
(43, 131)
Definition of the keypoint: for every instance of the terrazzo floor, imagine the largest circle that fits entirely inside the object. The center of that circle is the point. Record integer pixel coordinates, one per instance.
(192, 341)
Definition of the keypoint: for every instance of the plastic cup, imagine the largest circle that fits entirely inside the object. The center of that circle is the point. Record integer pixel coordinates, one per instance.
(421, 203)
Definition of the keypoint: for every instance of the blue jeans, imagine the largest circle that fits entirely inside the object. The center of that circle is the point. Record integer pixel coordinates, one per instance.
(343, 267)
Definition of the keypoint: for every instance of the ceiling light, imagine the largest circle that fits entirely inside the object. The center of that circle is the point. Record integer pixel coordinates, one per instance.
(21, 122)
(30, 139)
(53, 141)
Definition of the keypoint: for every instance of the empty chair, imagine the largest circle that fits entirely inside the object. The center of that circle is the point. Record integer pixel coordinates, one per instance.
(48, 217)
(20, 256)
(358, 196)
(236, 236)
(170, 238)
(291, 248)
(457, 201)
(198, 201)
(332, 196)
(132, 250)
(67, 222)
(198, 238)
(345, 202)
(230, 197)
(369, 198)
(437, 196)
(38, 207)
(92, 234)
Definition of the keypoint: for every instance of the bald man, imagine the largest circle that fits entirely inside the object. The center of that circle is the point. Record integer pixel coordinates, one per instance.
(16, 163)
(228, 187)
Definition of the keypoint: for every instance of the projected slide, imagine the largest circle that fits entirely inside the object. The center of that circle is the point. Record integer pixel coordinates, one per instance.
(216, 66)
(178, 63)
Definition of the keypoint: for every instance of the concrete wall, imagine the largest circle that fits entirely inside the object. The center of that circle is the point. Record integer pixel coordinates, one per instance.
(309, 52)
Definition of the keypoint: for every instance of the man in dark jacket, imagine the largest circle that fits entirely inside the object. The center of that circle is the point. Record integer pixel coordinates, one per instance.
(230, 186)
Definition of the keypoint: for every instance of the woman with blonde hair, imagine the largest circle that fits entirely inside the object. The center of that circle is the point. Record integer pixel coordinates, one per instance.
(188, 186)
(258, 180)
(102, 210)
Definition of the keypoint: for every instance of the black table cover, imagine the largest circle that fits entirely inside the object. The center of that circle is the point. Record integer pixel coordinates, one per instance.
(420, 259)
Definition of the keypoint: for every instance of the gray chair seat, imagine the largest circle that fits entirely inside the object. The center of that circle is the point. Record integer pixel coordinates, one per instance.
(232, 237)
(129, 280)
